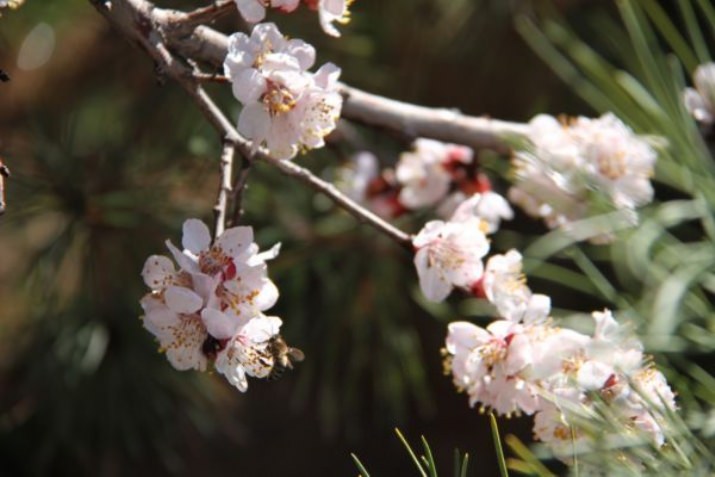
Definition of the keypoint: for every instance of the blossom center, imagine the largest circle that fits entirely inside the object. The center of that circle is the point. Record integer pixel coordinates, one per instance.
(278, 99)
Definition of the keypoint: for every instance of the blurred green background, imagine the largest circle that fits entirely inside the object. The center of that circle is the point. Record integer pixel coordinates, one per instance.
(108, 162)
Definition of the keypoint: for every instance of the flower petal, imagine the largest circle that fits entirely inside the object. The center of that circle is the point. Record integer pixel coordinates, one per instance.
(182, 300)
(219, 325)
(158, 271)
(196, 236)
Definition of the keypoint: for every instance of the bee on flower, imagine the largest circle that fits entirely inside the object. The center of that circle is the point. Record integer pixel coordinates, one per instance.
(210, 309)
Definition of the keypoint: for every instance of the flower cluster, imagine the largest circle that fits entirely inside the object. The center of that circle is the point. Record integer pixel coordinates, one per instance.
(523, 363)
(285, 107)
(582, 168)
(211, 308)
(700, 101)
(329, 11)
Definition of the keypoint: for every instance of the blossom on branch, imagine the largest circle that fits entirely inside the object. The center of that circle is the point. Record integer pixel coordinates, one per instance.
(285, 107)
(449, 255)
(210, 309)
(582, 168)
(561, 376)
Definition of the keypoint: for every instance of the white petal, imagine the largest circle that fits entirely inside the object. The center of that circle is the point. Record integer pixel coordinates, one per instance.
(186, 263)
(303, 52)
(196, 236)
(262, 257)
(235, 240)
(327, 76)
(262, 328)
(248, 86)
(219, 325)
(182, 300)
(538, 309)
(254, 122)
(251, 10)
(157, 271)
(433, 283)
(267, 296)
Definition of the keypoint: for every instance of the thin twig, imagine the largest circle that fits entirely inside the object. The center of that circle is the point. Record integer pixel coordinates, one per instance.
(134, 19)
(210, 78)
(4, 174)
(239, 186)
(227, 155)
(200, 16)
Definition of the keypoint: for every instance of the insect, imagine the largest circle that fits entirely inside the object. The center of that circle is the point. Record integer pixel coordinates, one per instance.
(4, 173)
(283, 356)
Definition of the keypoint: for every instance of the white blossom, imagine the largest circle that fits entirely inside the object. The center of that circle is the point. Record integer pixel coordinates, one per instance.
(448, 255)
(285, 107)
(700, 101)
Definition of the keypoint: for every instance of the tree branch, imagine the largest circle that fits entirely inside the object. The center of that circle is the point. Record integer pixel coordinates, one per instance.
(134, 19)
(205, 44)
(227, 155)
(238, 187)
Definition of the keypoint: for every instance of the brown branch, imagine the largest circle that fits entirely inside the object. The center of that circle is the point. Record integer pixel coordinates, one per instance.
(134, 19)
(227, 155)
(184, 21)
(238, 188)
(4, 174)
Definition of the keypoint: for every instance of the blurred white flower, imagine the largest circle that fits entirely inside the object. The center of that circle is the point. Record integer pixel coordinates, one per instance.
(285, 107)
(581, 169)
(700, 101)
(448, 255)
